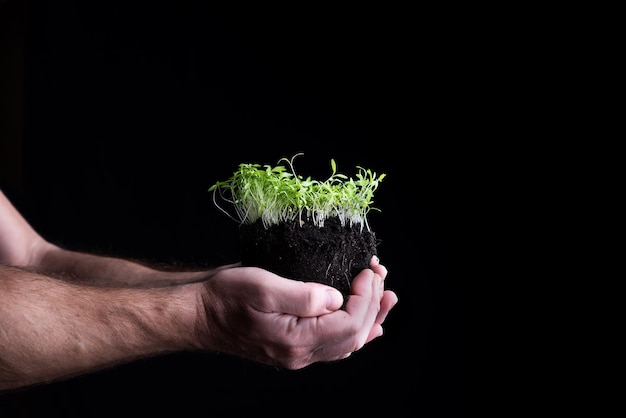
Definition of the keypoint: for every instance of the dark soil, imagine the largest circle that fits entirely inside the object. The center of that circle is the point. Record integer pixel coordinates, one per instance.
(332, 255)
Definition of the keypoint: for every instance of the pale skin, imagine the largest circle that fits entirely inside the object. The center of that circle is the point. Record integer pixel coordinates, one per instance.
(65, 313)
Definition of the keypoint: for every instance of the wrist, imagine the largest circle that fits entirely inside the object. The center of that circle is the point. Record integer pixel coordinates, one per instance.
(177, 314)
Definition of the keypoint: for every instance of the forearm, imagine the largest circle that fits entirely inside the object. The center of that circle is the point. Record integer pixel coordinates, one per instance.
(22, 246)
(102, 271)
(76, 329)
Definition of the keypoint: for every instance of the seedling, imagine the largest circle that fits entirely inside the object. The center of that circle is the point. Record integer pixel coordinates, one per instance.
(275, 194)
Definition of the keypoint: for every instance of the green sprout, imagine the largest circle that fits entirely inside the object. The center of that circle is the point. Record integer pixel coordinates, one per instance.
(276, 194)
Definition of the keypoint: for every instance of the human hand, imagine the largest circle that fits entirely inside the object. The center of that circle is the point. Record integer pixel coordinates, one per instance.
(255, 314)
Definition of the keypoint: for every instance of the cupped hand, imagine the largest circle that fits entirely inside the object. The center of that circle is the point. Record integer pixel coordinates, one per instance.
(255, 314)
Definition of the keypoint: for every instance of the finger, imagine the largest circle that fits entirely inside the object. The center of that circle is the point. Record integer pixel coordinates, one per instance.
(375, 332)
(364, 285)
(388, 301)
(364, 302)
(310, 299)
(378, 268)
(301, 299)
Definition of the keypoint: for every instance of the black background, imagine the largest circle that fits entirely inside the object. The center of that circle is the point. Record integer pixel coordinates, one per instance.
(128, 112)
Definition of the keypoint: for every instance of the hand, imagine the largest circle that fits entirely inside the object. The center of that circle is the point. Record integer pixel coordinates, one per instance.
(258, 315)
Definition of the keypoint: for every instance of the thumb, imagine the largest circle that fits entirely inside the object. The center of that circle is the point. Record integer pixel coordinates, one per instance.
(305, 299)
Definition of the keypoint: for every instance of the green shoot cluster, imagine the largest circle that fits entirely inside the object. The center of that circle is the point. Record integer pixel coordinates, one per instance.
(276, 194)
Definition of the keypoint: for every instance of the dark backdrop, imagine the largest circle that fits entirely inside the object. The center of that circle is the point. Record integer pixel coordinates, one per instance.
(120, 116)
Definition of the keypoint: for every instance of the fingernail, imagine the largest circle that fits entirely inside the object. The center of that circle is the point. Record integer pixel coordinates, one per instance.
(334, 299)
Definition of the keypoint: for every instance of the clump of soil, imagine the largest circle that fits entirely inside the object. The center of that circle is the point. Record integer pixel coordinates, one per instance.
(332, 254)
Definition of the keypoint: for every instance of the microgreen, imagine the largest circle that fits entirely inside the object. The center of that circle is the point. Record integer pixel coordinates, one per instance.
(275, 194)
